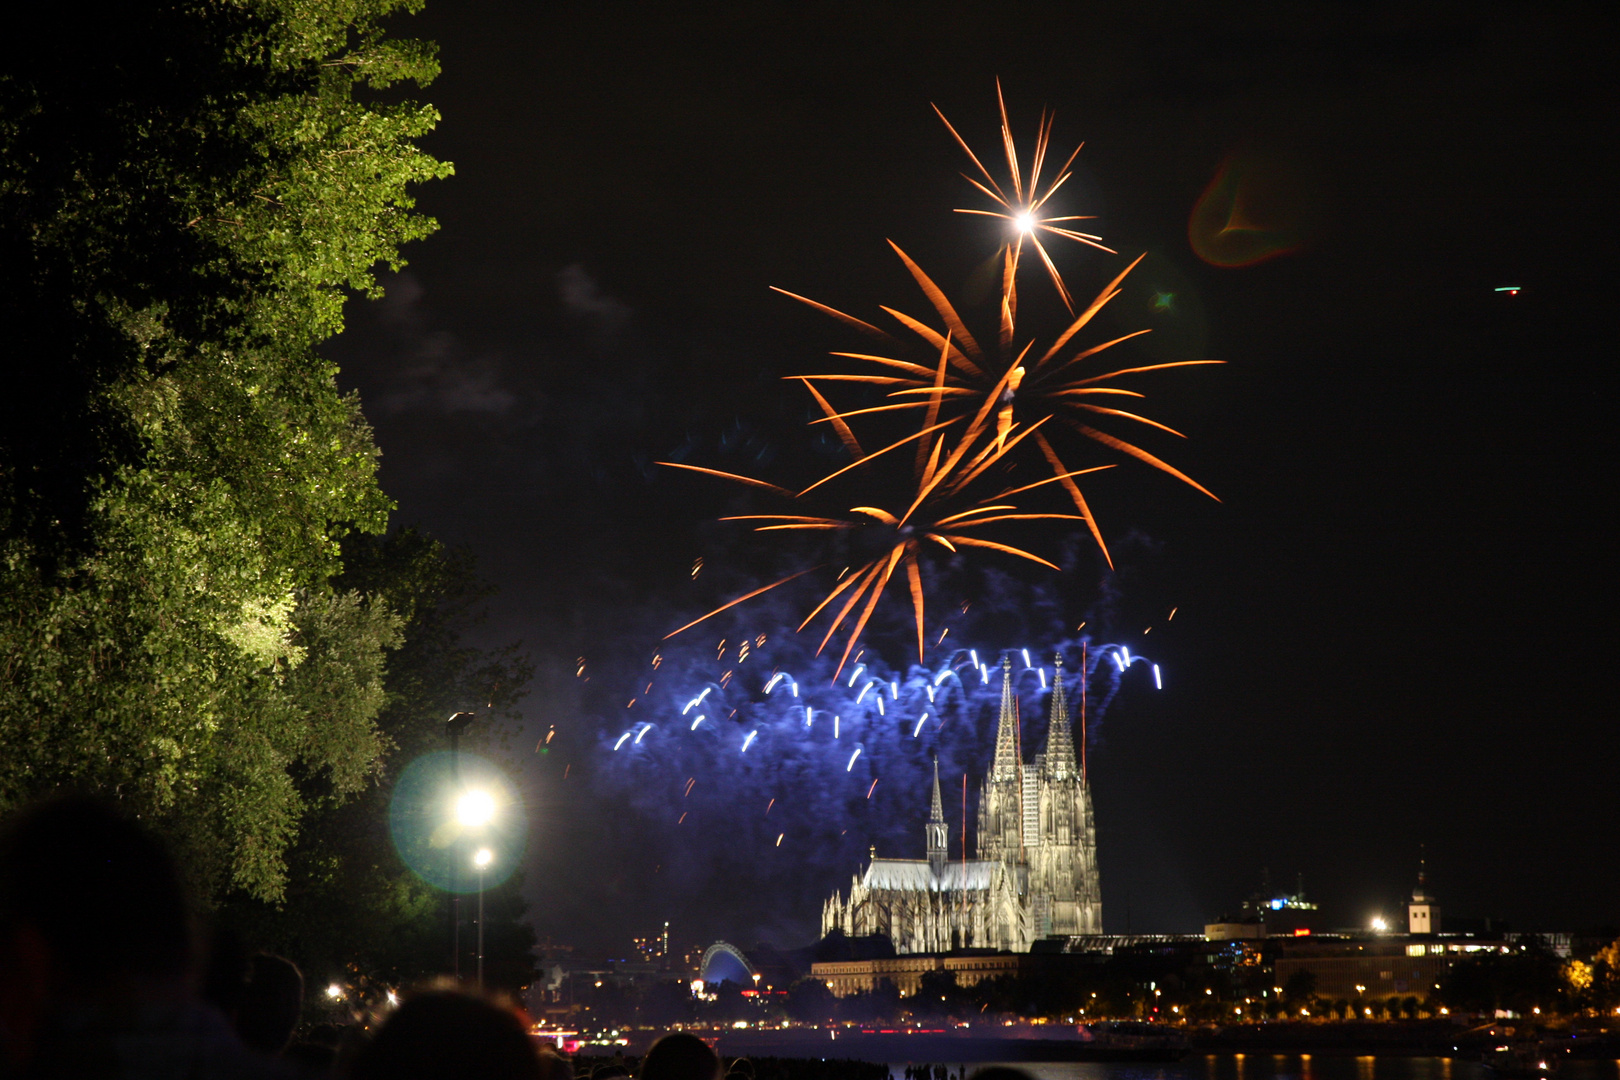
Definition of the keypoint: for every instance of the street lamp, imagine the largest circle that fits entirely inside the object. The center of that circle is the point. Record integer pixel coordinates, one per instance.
(481, 859)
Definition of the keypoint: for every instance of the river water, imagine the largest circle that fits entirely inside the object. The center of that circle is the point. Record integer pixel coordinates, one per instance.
(1285, 1067)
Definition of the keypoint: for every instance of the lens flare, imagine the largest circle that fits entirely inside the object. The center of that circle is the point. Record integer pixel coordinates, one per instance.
(1254, 209)
(445, 808)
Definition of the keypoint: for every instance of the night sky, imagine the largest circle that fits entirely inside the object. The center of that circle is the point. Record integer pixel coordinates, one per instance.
(1392, 631)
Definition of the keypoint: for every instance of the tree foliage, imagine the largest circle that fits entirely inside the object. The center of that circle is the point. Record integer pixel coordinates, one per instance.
(185, 197)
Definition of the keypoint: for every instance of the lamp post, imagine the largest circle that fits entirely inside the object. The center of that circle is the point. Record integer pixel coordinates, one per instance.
(481, 859)
(454, 727)
(474, 809)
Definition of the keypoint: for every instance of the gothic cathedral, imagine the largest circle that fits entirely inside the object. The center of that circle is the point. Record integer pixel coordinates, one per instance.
(1036, 871)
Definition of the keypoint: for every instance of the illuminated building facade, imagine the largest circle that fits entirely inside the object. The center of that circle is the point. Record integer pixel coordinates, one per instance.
(1036, 871)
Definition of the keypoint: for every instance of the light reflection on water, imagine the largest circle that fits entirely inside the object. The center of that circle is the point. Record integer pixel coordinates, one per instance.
(1280, 1067)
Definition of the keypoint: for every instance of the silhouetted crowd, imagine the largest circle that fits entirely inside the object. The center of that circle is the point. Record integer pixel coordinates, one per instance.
(101, 977)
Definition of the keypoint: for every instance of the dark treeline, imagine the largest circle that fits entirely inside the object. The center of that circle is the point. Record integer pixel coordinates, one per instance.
(203, 615)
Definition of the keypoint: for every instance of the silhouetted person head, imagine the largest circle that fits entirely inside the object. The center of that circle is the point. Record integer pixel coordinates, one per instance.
(92, 894)
(680, 1057)
(448, 1035)
(270, 1003)
(95, 947)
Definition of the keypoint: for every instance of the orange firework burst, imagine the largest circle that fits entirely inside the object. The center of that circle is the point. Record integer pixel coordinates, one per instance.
(978, 406)
(1025, 208)
(1012, 386)
(938, 510)
(1004, 382)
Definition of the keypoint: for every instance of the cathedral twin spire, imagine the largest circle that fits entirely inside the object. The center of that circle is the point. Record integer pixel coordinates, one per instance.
(1006, 763)
(1060, 758)
(936, 830)
(1059, 737)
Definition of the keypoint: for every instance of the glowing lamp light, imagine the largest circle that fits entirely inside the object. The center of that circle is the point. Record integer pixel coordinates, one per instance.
(1379, 924)
(478, 807)
(335, 992)
(483, 857)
